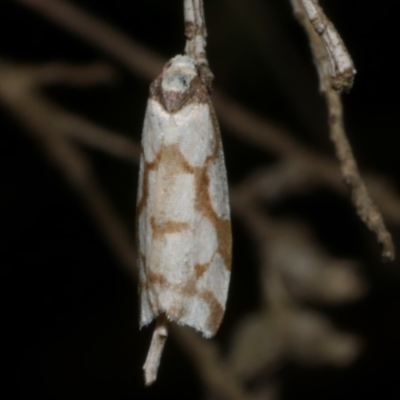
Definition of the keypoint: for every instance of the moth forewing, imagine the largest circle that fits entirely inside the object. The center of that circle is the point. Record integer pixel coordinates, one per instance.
(184, 235)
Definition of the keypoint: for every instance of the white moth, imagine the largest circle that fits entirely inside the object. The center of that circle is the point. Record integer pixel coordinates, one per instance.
(183, 217)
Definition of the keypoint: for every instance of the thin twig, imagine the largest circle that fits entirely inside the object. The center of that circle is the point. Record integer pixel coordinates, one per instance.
(340, 66)
(153, 359)
(196, 37)
(366, 209)
(324, 52)
(195, 30)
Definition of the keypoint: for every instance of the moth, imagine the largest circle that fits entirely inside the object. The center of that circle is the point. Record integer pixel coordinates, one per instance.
(183, 215)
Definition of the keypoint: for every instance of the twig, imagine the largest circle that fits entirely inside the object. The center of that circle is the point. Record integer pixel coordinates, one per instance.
(340, 65)
(366, 209)
(153, 359)
(196, 34)
(325, 54)
(195, 30)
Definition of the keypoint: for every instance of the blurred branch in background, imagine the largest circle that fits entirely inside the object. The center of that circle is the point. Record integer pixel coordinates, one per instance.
(51, 126)
(294, 268)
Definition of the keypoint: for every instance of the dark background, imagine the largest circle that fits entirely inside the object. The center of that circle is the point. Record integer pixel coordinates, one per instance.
(69, 312)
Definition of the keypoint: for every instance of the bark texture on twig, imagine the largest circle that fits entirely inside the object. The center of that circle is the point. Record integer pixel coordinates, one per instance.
(339, 65)
(196, 37)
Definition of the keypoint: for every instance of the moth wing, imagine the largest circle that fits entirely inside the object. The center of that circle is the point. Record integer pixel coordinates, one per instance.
(213, 268)
(184, 225)
(154, 125)
(196, 290)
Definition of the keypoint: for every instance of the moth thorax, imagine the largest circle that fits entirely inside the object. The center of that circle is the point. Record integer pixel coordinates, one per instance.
(176, 83)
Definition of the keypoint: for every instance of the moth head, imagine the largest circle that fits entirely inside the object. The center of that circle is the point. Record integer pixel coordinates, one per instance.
(177, 82)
